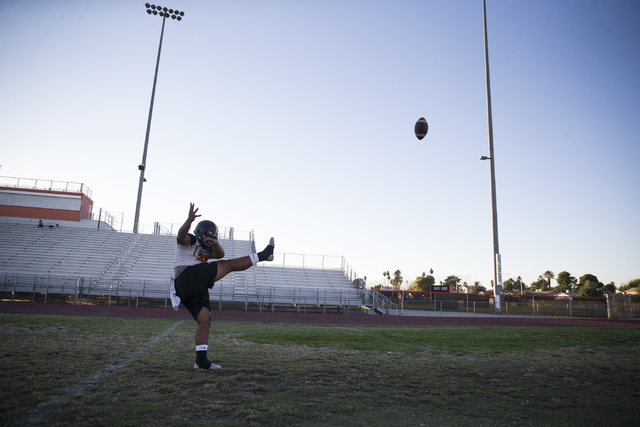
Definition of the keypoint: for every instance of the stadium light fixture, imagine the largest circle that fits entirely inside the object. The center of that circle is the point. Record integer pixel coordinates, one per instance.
(165, 13)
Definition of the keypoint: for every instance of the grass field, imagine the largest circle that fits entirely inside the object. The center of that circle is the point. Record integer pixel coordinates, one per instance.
(60, 370)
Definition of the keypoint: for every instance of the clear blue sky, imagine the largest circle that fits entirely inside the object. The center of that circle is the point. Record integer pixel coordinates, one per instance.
(295, 119)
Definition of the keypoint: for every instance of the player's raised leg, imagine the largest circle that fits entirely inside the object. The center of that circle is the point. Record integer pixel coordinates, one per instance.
(240, 264)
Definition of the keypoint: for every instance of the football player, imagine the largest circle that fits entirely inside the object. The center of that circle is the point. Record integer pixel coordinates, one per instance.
(195, 274)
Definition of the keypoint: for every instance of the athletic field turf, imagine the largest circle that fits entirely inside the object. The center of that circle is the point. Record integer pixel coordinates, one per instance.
(73, 370)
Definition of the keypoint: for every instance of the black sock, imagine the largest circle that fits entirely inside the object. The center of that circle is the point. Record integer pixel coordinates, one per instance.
(266, 253)
(201, 359)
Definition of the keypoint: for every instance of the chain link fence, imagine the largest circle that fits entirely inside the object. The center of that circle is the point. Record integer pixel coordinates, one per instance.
(612, 306)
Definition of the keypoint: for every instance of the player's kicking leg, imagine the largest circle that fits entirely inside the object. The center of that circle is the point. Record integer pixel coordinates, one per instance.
(239, 264)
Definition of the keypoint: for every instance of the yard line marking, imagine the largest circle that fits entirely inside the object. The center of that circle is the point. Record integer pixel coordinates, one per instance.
(45, 409)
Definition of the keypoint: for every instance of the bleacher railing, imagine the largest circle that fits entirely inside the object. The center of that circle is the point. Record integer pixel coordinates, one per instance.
(45, 184)
(103, 217)
(83, 288)
(332, 262)
(171, 229)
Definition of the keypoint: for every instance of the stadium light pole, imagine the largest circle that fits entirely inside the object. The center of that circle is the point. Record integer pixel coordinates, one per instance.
(497, 267)
(165, 13)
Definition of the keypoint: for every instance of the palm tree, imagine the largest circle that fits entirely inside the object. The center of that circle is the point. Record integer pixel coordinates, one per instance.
(386, 276)
(549, 275)
(397, 280)
(477, 288)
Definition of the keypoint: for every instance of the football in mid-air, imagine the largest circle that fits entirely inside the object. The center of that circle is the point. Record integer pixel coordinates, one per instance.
(421, 128)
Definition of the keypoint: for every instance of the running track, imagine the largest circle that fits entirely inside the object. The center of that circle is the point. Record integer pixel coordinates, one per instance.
(433, 319)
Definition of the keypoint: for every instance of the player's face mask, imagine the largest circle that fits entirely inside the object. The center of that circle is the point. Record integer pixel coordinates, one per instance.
(208, 240)
(207, 234)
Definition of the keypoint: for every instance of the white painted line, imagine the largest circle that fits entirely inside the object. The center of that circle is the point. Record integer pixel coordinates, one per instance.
(45, 409)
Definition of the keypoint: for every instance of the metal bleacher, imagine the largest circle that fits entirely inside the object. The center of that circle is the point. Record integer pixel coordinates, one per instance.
(86, 262)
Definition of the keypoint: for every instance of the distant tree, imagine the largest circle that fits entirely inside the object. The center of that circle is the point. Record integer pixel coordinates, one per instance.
(424, 283)
(513, 285)
(634, 283)
(386, 276)
(609, 288)
(589, 286)
(510, 285)
(548, 275)
(540, 284)
(566, 282)
(588, 278)
(376, 287)
(452, 281)
(591, 289)
(476, 288)
(396, 282)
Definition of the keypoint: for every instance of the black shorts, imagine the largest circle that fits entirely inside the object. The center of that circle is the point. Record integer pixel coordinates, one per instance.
(193, 284)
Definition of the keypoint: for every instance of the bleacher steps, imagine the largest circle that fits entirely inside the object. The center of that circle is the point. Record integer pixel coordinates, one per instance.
(139, 263)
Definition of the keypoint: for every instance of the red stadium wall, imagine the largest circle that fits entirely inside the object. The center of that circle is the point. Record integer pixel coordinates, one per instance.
(39, 213)
(83, 212)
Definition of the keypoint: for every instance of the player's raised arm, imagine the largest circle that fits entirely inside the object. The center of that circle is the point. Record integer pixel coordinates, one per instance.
(183, 233)
(217, 251)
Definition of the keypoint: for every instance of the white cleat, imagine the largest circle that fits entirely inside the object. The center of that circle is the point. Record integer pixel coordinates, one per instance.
(213, 366)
